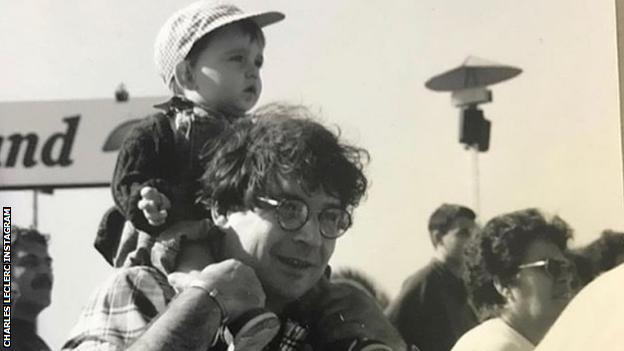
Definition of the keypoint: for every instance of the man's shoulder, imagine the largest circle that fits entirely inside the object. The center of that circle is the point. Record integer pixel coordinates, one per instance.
(138, 271)
(421, 277)
(144, 287)
(417, 289)
(122, 308)
(143, 279)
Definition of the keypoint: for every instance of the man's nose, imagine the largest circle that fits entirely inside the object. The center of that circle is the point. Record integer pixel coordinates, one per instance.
(310, 232)
(45, 268)
(566, 276)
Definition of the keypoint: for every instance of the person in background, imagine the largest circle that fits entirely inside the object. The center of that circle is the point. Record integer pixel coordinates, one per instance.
(432, 309)
(32, 272)
(280, 189)
(517, 272)
(604, 253)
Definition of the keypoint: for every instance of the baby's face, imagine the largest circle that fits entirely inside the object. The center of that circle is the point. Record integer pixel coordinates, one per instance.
(227, 72)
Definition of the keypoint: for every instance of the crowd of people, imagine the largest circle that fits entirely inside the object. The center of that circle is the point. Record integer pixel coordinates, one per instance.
(225, 221)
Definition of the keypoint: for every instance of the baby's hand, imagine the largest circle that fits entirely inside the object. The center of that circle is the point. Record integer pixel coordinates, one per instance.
(154, 205)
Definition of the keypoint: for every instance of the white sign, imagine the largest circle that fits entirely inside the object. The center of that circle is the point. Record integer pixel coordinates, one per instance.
(61, 143)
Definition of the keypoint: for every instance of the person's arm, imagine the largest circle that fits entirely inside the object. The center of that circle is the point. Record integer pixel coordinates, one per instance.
(190, 324)
(134, 311)
(122, 308)
(222, 291)
(141, 163)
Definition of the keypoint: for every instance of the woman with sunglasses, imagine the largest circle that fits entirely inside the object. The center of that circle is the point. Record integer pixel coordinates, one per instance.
(517, 273)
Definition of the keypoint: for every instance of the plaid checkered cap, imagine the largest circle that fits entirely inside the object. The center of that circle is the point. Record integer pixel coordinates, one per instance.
(186, 26)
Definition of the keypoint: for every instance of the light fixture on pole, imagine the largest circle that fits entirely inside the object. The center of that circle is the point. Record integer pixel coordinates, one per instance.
(468, 86)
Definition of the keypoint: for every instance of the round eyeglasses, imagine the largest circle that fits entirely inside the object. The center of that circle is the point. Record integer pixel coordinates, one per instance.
(292, 214)
(556, 269)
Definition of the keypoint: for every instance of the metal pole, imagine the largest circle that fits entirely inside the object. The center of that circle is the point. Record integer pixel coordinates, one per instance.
(619, 15)
(475, 178)
(35, 220)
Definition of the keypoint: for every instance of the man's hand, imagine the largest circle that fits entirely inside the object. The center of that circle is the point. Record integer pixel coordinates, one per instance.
(154, 205)
(190, 323)
(238, 287)
(349, 313)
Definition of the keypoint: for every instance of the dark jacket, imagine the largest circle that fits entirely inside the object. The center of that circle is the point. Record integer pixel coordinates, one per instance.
(157, 155)
(432, 309)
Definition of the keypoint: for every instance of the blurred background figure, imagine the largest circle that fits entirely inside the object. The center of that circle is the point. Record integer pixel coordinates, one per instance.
(516, 272)
(583, 270)
(602, 254)
(432, 309)
(359, 280)
(33, 274)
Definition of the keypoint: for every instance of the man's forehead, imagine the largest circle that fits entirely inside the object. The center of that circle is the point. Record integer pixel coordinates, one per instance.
(291, 186)
(541, 249)
(30, 248)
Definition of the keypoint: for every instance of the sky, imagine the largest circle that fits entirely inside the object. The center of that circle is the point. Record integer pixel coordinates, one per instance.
(362, 65)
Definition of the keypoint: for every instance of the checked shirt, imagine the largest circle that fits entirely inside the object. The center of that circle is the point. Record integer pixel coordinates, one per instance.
(123, 308)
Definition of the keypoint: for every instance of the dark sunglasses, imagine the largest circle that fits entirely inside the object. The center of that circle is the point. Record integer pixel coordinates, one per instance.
(556, 269)
(292, 214)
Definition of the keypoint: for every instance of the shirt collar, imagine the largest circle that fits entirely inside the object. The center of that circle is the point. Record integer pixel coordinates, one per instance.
(180, 104)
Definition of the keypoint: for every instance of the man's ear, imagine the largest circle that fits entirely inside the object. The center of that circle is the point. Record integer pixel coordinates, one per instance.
(436, 237)
(503, 289)
(184, 75)
(219, 218)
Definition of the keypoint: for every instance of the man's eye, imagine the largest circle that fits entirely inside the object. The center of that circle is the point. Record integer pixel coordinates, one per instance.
(291, 207)
(29, 262)
(259, 63)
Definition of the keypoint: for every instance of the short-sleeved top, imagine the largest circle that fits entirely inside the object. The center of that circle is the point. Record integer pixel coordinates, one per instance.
(432, 309)
(493, 335)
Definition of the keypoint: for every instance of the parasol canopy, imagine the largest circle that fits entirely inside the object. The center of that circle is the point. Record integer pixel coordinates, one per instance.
(473, 73)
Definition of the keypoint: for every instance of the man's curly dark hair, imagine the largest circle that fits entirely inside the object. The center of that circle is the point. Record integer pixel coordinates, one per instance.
(280, 140)
(499, 248)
